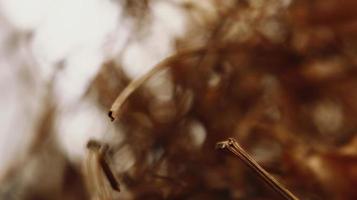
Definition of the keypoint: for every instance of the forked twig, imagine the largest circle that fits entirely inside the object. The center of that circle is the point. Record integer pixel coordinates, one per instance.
(98, 172)
(233, 146)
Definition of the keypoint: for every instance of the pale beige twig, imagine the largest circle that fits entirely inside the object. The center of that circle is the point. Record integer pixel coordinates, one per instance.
(114, 111)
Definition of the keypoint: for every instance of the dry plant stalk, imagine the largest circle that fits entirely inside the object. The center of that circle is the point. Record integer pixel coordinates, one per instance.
(233, 146)
(98, 172)
(114, 111)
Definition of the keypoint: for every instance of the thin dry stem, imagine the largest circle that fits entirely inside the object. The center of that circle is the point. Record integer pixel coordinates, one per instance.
(233, 146)
(114, 111)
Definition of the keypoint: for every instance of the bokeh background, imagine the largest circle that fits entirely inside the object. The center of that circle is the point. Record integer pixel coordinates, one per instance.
(280, 76)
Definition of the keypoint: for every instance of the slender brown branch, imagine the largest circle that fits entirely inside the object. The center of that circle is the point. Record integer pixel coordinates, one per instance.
(107, 170)
(233, 146)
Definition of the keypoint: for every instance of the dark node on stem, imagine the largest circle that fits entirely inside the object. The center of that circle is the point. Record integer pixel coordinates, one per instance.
(93, 144)
(110, 114)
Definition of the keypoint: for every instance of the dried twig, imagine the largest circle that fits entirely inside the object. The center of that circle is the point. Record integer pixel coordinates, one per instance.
(233, 146)
(95, 166)
(135, 84)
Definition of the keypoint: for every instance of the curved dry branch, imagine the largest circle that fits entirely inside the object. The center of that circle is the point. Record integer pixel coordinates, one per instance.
(114, 111)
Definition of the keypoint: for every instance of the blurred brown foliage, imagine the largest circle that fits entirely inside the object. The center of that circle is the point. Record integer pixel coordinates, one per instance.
(280, 79)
